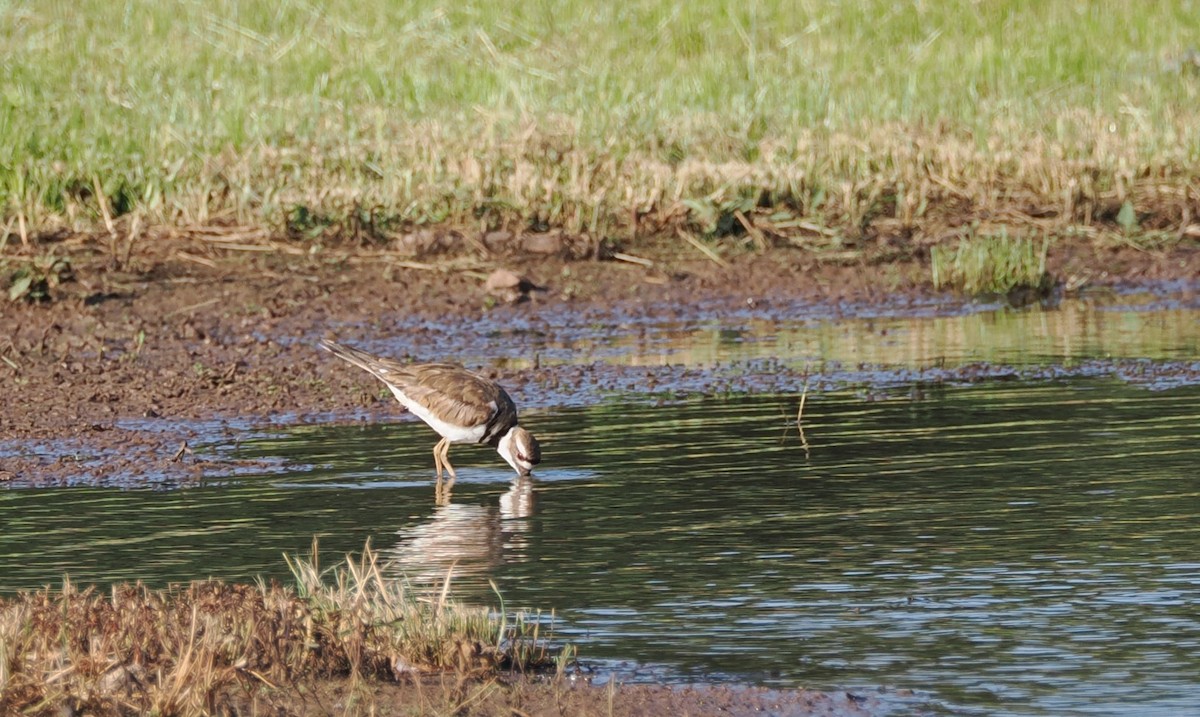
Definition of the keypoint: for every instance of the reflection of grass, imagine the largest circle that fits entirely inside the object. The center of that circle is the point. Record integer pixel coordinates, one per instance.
(424, 631)
(992, 265)
(180, 650)
(774, 120)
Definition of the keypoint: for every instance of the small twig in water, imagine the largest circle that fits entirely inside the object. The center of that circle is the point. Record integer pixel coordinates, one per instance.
(800, 411)
(183, 449)
(800, 419)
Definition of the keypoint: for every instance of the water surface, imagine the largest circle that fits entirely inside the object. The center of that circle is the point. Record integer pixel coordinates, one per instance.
(1107, 327)
(1031, 547)
(1012, 547)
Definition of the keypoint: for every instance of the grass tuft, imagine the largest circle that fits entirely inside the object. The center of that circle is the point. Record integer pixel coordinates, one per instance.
(383, 617)
(993, 265)
(186, 649)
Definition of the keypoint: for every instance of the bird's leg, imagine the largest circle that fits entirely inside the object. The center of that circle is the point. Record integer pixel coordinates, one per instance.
(446, 462)
(437, 459)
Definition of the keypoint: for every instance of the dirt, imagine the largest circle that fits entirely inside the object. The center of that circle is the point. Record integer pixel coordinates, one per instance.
(532, 698)
(135, 359)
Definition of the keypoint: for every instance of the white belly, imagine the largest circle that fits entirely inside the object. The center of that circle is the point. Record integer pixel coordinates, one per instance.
(456, 434)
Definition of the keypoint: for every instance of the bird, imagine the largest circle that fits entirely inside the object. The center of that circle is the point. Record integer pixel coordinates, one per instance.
(461, 406)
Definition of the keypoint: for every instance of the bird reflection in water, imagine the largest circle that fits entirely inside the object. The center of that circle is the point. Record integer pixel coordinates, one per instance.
(471, 539)
(519, 502)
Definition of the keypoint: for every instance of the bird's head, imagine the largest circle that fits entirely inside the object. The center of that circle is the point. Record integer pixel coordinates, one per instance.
(520, 449)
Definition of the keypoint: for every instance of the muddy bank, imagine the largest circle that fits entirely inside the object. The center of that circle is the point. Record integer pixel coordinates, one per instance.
(127, 368)
(571, 697)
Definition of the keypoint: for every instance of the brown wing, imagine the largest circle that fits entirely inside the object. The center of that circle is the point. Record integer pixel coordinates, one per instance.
(451, 392)
(448, 390)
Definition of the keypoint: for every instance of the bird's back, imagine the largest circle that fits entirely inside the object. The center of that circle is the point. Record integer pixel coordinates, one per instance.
(456, 395)
(447, 392)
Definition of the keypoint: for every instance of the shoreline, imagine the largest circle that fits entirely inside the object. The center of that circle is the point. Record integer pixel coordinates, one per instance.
(126, 369)
(121, 367)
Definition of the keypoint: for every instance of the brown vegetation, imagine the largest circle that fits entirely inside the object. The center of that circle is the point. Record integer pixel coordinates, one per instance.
(196, 649)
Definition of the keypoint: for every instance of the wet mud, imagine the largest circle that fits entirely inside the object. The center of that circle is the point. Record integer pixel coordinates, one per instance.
(577, 697)
(125, 373)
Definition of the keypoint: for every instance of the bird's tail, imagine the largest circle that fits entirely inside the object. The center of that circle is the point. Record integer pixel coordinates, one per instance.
(361, 359)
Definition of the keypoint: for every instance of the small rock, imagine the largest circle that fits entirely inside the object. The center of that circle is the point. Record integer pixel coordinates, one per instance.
(415, 243)
(503, 280)
(498, 241)
(544, 243)
(509, 285)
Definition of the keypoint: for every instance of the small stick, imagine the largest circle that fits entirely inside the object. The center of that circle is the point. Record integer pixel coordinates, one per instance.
(21, 227)
(633, 259)
(441, 602)
(197, 259)
(759, 240)
(806, 226)
(419, 266)
(705, 250)
(373, 258)
(226, 234)
(191, 308)
(259, 677)
(803, 398)
(183, 448)
(246, 247)
(103, 202)
(800, 419)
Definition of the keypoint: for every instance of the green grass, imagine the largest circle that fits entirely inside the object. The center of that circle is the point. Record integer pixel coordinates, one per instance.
(992, 265)
(372, 115)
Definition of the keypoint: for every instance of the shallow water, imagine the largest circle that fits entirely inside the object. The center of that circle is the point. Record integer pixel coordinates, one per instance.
(1108, 326)
(1013, 547)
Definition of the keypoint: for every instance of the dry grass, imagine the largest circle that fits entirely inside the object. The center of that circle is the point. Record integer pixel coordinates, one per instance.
(819, 125)
(816, 190)
(190, 649)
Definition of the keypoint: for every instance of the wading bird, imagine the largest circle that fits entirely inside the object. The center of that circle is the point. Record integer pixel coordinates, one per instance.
(463, 407)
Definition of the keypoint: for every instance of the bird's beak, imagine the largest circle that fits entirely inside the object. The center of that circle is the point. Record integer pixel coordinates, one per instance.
(524, 473)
